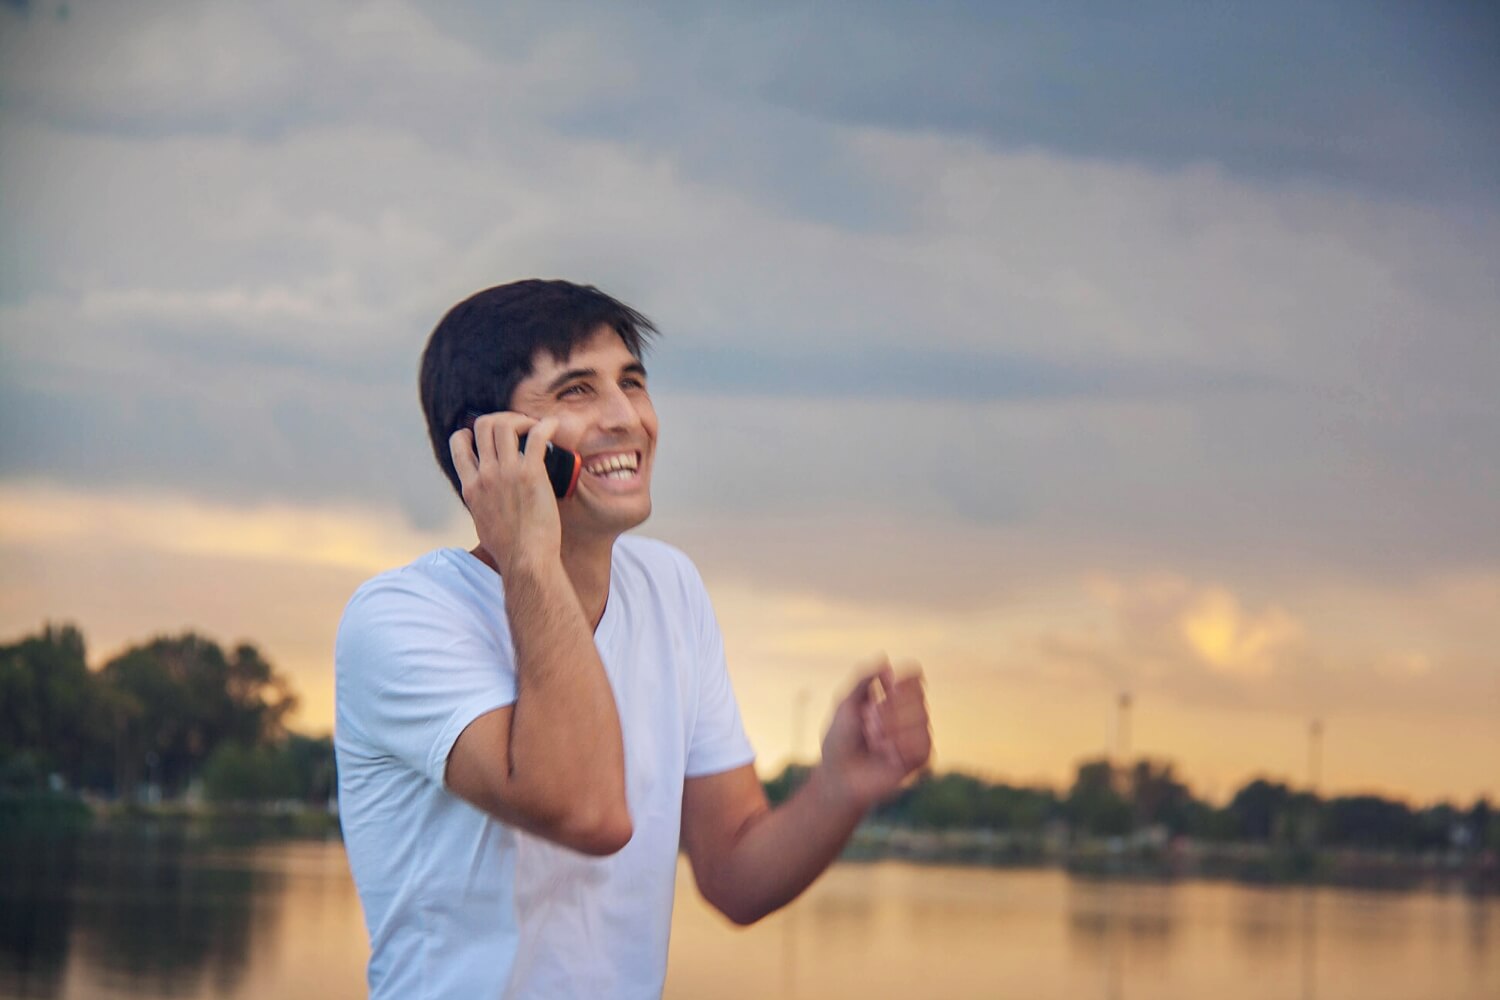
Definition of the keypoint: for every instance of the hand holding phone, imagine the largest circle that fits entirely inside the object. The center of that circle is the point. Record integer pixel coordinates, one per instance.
(563, 466)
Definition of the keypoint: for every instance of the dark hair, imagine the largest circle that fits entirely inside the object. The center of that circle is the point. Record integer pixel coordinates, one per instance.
(482, 349)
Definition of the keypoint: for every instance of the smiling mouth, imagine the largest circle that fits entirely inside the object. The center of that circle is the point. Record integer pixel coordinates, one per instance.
(624, 465)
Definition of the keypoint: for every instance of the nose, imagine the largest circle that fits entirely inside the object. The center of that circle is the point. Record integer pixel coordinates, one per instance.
(617, 412)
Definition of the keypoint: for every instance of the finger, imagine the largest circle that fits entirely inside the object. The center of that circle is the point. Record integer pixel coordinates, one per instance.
(906, 695)
(902, 722)
(873, 724)
(896, 720)
(878, 742)
(484, 439)
(914, 748)
(915, 743)
(465, 462)
(537, 439)
(909, 685)
(903, 715)
(909, 690)
(865, 689)
(882, 679)
(883, 743)
(508, 428)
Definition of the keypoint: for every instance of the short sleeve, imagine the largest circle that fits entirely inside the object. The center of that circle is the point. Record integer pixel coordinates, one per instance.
(414, 668)
(719, 742)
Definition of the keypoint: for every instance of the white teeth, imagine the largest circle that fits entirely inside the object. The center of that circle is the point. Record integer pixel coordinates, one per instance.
(614, 467)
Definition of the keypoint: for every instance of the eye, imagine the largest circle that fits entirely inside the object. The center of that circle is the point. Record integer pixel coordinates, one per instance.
(632, 382)
(576, 390)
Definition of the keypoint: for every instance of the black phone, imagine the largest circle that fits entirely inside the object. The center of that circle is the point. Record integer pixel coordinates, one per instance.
(563, 466)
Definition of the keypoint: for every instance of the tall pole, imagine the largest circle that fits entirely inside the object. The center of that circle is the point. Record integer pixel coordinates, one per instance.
(1315, 755)
(1123, 734)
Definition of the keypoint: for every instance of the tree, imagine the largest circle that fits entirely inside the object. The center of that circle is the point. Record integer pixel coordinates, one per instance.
(52, 717)
(1481, 821)
(945, 802)
(313, 767)
(235, 772)
(1159, 797)
(1258, 808)
(178, 699)
(1369, 821)
(1093, 805)
(1005, 807)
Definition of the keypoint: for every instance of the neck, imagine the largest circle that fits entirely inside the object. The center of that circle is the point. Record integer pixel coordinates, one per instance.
(587, 563)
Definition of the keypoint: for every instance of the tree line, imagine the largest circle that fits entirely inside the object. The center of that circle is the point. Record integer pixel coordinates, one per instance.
(171, 716)
(182, 715)
(1107, 800)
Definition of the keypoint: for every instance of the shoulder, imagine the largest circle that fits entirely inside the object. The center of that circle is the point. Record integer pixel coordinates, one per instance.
(435, 588)
(440, 576)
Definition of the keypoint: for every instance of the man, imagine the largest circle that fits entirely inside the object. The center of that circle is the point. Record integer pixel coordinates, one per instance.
(526, 732)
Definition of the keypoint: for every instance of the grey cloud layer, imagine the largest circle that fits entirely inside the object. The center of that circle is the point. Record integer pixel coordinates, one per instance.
(1345, 92)
(887, 290)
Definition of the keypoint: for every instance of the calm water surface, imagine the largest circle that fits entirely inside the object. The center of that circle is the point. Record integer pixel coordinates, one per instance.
(156, 916)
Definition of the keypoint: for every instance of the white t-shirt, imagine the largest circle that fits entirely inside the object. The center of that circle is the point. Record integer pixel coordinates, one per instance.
(457, 903)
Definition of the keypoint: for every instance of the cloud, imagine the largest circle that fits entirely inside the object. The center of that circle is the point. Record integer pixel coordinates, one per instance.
(180, 62)
(1198, 643)
(914, 373)
(1182, 360)
(173, 68)
(1203, 625)
(331, 538)
(1341, 92)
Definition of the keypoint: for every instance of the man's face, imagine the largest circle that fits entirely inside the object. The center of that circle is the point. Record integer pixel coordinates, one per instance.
(604, 413)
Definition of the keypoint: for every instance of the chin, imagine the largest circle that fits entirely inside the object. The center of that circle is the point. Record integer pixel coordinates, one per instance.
(615, 521)
(637, 518)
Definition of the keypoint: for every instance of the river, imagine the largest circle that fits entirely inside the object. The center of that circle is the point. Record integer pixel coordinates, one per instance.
(157, 915)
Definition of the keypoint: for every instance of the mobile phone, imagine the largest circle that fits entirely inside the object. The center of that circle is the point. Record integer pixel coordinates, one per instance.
(563, 466)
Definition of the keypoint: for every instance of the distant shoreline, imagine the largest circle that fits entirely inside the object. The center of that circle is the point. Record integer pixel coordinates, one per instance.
(1151, 855)
(1147, 855)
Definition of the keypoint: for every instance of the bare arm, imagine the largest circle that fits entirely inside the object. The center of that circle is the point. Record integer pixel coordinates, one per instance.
(554, 762)
(749, 859)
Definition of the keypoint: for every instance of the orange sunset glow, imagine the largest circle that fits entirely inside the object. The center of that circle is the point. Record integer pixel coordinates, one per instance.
(1020, 689)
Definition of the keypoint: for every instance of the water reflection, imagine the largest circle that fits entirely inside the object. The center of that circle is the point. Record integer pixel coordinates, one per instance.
(1101, 912)
(1482, 934)
(34, 917)
(161, 915)
(1309, 950)
(136, 907)
(155, 919)
(1122, 927)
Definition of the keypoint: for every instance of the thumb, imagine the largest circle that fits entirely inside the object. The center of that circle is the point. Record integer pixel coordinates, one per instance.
(879, 673)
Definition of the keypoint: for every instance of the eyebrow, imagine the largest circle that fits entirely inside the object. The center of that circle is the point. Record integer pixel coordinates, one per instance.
(634, 368)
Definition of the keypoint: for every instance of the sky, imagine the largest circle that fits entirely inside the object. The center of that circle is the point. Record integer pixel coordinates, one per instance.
(1063, 352)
